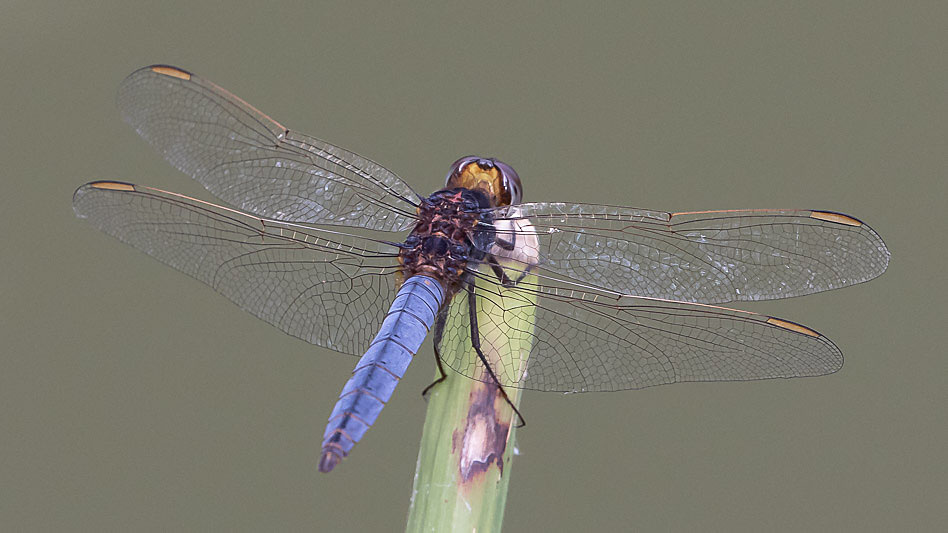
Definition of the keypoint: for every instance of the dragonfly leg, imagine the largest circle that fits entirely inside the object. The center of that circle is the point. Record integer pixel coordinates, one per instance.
(438, 330)
(424, 393)
(499, 272)
(505, 244)
(502, 277)
(476, 343)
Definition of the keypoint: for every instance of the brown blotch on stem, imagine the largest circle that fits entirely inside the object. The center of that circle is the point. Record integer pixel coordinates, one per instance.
(483, 440)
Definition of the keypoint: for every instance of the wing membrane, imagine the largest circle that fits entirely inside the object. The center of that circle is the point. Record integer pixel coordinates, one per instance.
(590, 340)
(708, 257)
(328, 288)
(256, 164)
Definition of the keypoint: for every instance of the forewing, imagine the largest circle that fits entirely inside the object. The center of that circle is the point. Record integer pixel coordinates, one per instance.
(328, 288)
(708, 257)
(590, 340)
(254, 163)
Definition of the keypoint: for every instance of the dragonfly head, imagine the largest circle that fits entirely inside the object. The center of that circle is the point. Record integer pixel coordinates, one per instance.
(495, 178)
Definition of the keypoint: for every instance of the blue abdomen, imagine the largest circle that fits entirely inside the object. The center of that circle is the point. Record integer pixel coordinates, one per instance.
(409, 319)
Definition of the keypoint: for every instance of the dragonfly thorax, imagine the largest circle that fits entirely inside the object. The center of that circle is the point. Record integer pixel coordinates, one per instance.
(453, 228)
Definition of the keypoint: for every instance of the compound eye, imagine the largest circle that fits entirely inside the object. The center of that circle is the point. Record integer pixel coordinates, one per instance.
(511, 181)
(456, 167)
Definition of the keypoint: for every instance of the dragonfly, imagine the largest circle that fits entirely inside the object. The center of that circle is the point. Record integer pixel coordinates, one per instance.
(313, 241)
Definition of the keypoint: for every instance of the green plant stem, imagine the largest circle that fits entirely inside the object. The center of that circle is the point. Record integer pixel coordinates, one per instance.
(464, 462)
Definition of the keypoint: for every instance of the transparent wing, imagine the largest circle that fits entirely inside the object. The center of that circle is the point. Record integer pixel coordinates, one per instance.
(256, 164)
(709, 256)
(328, 288)
(592, 340)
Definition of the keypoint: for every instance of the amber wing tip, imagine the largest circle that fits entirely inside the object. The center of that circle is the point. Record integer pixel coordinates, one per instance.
(168, 70)
(792, 326)
(111, 185)
(838, 218)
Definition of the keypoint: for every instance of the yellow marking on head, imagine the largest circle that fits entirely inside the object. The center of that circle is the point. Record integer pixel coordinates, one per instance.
(173, 72)
(792, 326)
(835, 217)
(472, 176)
(112, 185)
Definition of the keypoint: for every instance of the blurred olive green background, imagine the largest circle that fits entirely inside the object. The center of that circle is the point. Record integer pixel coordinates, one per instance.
(134, 398)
